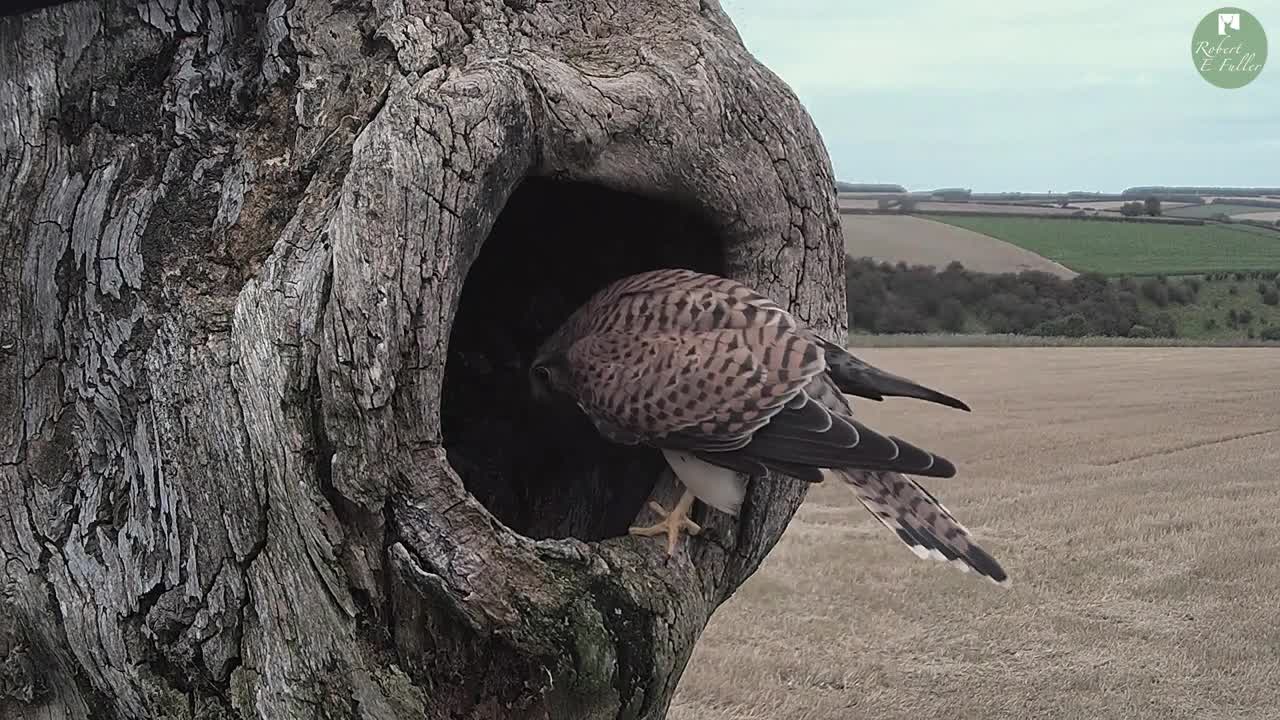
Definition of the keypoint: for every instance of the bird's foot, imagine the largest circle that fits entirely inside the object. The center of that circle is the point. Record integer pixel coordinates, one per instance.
(672, 522)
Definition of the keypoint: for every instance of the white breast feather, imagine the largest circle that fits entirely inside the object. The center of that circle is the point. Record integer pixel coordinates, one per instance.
(721, 488)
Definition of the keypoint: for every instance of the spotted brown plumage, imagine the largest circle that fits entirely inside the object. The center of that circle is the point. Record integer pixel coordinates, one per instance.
(725, 381)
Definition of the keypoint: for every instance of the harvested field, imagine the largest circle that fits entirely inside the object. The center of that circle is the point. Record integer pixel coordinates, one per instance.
(962, 208)
(1265, 216)
(1209, 210)
(1244, 200)
(859, 204)
(1131, 494)
(919, 241)
(1115, 205)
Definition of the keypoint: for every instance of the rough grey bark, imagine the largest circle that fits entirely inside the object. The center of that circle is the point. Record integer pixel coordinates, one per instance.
(233, 239)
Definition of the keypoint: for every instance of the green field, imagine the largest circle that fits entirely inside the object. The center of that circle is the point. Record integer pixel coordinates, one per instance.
(1132, 248)
(1210, 209)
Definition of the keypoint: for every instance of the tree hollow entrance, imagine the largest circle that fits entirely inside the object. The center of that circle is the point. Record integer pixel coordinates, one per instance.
(544, 471)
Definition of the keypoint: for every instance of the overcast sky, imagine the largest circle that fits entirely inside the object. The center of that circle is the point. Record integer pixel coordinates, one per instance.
(1017, 95)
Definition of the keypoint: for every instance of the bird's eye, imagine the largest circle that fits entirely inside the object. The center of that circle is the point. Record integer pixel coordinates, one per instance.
(543, 374)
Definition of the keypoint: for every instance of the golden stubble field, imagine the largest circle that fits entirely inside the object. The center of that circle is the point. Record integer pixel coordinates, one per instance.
(1133, 494)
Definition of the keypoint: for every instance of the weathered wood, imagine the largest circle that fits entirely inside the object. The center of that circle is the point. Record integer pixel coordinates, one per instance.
(233, 242)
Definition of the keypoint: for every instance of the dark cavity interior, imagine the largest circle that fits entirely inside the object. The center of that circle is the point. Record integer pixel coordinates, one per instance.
(543, 471)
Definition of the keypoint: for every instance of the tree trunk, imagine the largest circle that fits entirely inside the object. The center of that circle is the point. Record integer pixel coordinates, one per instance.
(263, 452)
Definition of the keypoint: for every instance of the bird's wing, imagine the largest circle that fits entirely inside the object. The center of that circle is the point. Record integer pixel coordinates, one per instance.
(695, 390)
(796, 441)
(688, 361)
(856, 377)
(698, 363)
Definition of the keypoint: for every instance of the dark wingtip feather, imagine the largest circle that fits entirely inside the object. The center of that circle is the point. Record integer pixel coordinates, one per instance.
(982, 563)
(874, 446)
(880, 383)
(856, 377)
(914, 460)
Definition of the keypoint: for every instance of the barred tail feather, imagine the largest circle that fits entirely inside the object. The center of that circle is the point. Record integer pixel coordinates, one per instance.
(920, 521)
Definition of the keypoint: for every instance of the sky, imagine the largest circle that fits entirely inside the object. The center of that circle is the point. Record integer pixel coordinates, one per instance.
(1013, 95)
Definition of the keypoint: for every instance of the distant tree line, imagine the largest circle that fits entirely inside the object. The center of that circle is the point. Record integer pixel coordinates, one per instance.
(1165, 191)
(892, 298)
(1149, 206)
(848, 187)
(951, 194)
(899, 298)
(1242, 275)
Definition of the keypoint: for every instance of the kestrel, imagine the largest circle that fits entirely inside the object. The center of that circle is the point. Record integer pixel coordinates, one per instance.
(727, 383)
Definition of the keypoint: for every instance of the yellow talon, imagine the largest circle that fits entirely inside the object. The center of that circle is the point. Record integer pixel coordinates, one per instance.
(672, 522)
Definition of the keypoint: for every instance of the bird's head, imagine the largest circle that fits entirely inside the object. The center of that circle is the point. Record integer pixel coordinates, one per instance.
(550, 381)
(548, 378)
